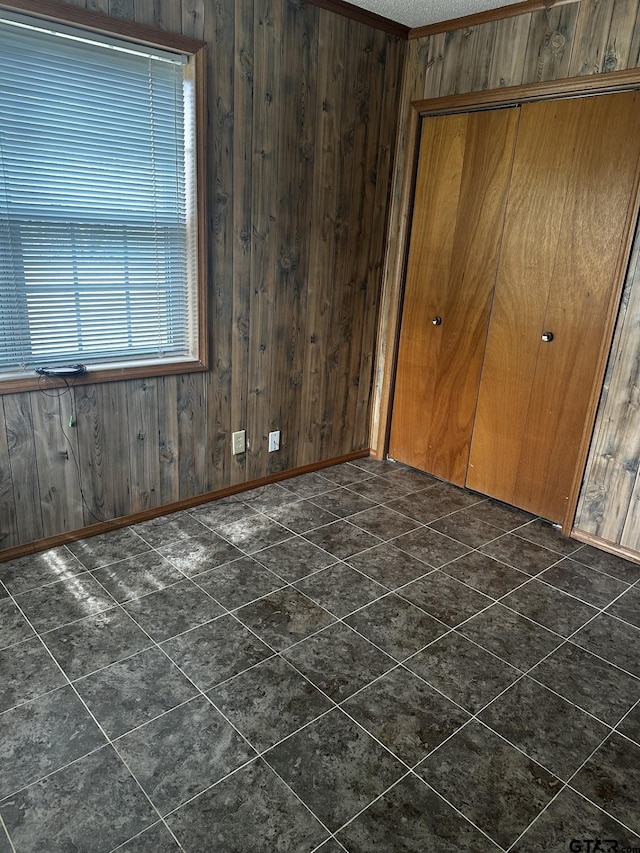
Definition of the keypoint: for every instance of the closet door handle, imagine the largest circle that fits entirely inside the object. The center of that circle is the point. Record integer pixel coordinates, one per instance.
(437, 321)
(547, 337)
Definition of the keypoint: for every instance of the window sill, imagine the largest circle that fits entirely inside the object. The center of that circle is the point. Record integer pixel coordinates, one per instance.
(16, 383)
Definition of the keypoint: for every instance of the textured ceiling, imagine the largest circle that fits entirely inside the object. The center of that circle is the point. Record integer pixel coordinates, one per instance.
(419, 13)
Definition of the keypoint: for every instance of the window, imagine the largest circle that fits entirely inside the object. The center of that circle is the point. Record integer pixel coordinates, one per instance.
(100, 238)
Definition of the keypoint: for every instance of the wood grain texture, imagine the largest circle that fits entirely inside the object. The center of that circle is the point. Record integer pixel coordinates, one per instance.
(300, 153)
(571, 190)
(461, 196)
(483, 18)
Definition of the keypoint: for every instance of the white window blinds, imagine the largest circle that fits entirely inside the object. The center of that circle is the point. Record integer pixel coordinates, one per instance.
(97, 264)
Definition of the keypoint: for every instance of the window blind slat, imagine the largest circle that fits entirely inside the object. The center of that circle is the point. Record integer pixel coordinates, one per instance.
(94, 244)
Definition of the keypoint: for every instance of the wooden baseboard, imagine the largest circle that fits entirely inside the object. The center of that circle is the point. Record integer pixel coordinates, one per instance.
(605, 545)
(187, 503)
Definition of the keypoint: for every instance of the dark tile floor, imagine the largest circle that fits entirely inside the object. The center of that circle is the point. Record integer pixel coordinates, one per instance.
(362, 659)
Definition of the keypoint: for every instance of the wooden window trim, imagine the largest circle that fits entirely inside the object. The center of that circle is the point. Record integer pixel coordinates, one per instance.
(140, 34)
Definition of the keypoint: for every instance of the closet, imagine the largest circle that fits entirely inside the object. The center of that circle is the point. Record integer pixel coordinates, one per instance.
(518, 234)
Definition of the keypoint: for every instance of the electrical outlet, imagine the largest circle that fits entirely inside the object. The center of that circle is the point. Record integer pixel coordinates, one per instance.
(274, 441)
(238, 442)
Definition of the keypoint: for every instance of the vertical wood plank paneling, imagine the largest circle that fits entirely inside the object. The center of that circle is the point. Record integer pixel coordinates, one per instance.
(591, 36)
(435, 49)
(168, 438)
(22, 461)
(242, 184)
(56, 444)
(507, 62)
(299, 153)
(219, 32)
(467, 60)
(618, 48)
(332, 45)
(143, 441)
(9, 535)
(266, 129)
(297, 93)
(550, 41)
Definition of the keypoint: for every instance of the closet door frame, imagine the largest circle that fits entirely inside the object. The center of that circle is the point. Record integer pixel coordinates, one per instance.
(393, 294)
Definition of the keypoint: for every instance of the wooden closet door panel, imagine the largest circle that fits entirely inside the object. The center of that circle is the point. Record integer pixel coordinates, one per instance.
(572, 181)
(463, 178)
(585, 279)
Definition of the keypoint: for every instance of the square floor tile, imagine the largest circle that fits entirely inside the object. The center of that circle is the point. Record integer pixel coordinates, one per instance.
(283, 618)
(307, 485)
(342, 539)
(405, 714)
(383, 522)
(335, 767)
(340, 589)
(133, 691)
(108, 547)
(137, 576)
(294, 559)
(627, 607)
(156, 839)
(27, 671)
(500, 515)
(254, 533)
(339, 661)
(466, 528)
(43, 735)
(510, 636)
(183, 752)
(485, 574)
(549, 607)
(546, 534)
(345, 473)
(613, 640)
(52, 606)
(254, 804)
(92, 804)
(521, 554)
(300, 516)
(389, 566)
(224, 511)
(379, 489)
(14, 628)
(435, 502)
(547, 728)
(94, 642)
(396, 626)
(268, 497)
(569, 818)
(239, 582)
(489, 781)
(413, 818)
(463, 671)
(34, 570)
(430, 546)
(196, 554)
(173, 610)
(612, 565)
(216, 651)
(343, 502)
(630, 726)
(611, 779)
(584, 583)
(417, 480)
(589, 682)
(167, 529)
(269, 702)
(445, 598)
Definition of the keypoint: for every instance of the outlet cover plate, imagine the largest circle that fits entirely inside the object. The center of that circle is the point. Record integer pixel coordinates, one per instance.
(238, 442)
(274, 441)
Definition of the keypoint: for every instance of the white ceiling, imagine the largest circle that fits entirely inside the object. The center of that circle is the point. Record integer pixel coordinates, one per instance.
(419, 13)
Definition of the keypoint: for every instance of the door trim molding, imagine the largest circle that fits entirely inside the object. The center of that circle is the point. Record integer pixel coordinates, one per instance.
(393, 288)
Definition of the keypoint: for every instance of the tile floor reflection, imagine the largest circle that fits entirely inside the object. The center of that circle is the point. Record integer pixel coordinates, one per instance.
(361, 659)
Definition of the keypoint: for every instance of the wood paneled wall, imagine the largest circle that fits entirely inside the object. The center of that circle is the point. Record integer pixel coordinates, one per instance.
(574, 39)
(302, 115)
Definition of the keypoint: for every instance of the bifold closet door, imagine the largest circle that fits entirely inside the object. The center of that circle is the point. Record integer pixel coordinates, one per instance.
(572, 185)
(461, 193)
